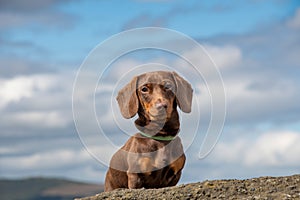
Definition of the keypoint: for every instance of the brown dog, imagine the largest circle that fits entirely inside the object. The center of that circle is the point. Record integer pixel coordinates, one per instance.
(154, 157)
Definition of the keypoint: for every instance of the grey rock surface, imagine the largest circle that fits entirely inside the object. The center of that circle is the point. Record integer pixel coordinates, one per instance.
(268, 188)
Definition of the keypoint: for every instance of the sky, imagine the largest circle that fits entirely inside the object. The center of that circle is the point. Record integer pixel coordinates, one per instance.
(253, 45)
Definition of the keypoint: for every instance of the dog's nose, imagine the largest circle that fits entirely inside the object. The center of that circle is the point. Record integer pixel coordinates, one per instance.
(161, 105)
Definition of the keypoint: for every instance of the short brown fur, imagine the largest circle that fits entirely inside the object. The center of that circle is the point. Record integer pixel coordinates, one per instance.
(144, 161)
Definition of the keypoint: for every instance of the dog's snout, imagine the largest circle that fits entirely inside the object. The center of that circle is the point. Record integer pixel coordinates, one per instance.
(160, 105)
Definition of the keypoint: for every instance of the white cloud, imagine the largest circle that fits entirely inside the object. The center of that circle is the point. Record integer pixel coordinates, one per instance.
(53, 159)
(253, 99)
(17, 88)
(102, 153)
(223, 56)
(121, 67)
(45, 160)
(36, 101)
(38, 119)
(7, 150)
(269, 149)
(275, 149)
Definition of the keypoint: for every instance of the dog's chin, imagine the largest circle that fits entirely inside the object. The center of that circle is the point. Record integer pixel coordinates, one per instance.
(160, 118)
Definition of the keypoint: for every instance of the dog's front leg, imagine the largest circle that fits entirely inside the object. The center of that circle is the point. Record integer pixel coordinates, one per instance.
(134, 181)
(138, 167)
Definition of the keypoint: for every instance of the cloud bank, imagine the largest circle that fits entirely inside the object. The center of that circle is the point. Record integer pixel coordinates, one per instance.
(260, 70)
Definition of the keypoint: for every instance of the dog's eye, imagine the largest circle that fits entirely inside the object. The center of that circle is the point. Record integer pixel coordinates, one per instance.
(145, 89)
(168, 86)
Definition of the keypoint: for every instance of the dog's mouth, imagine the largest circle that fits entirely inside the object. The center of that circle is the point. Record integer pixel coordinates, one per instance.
(160, 118)
(158, 115)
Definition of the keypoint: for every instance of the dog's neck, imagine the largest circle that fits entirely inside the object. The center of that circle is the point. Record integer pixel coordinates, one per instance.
(156, 128)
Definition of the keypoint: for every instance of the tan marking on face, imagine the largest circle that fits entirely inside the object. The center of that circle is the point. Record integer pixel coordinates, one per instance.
(159, 96)
(155, 96)
(147, 106)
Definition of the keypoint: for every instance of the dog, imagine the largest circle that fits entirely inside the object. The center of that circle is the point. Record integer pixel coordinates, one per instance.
(154, 157)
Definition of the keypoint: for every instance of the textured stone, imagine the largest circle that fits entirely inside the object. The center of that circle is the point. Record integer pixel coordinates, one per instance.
(257, 188)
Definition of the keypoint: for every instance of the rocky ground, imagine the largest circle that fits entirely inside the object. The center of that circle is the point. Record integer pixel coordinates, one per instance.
(257, 188)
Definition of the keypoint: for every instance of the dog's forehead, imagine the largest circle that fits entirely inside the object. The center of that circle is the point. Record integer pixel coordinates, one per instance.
(155, 77)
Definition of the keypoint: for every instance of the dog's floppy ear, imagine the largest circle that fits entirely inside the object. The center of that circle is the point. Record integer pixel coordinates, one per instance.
(128, 100)
(184, 93)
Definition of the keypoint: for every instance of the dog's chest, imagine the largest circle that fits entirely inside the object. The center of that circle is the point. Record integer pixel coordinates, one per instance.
(160, 155)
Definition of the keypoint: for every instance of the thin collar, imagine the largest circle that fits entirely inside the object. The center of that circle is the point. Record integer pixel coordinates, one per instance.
(159, 138)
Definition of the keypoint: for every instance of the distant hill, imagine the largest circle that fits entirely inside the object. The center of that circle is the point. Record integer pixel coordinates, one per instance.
(45, 189)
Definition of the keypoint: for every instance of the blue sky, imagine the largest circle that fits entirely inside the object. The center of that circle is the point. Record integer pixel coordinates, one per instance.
(254, 43)
(77, 27)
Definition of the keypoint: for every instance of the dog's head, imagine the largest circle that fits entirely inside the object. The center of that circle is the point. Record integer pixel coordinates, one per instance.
(156, 94)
